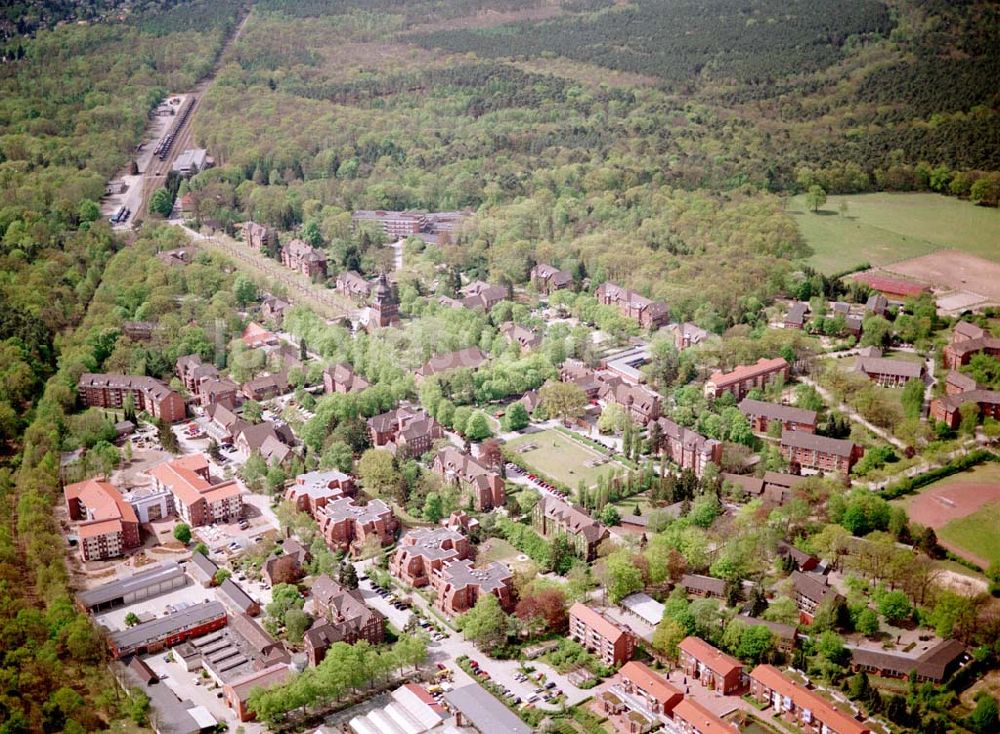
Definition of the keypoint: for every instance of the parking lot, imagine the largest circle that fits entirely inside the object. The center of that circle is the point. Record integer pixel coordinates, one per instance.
(192, 593)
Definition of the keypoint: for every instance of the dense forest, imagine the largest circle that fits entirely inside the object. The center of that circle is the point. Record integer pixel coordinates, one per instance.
(72, 109)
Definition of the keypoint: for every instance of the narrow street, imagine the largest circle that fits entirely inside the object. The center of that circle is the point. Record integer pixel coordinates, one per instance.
(852, 413)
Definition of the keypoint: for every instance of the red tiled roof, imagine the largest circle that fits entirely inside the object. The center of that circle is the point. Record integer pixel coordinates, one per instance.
(892, 286)
(701, 719)
(822, 709)
(713, 658)
(746, 371)
(650, 681)
(597, 622)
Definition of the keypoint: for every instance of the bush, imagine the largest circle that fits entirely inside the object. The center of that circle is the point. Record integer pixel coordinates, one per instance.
(959, 464)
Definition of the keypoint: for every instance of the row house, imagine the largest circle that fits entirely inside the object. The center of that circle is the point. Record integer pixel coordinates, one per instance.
(272, 441)
(796, 316)
(762, 415)
(525, 338)
(314, 490)
(194, 373)
(257, 237)
(710, 666)
(396, 225)
(690, 717)
(266, 387)
(799, 705)
(108, 525)
(889, 372)
(405, 431)
(651, 689)
(552, 517)
(547, 279)
(576, 372)
(483, 295)
(354, 286)
(609, 642)
(422, 552)
(747, 377)
(304, 258)
(934, 665)
(948, 409)
(649, 314)
(486, 487)
(968, 340)
(196, 500)
(459, 586)
(469, 358)
(956, 383)
(774, 488)
(641, 403)
(785, 635)
(148, 394)
(810, 591)
(341, 378)
(687, 448)
(342, 616)
(705, 587)
(347, 526)
(809, 451)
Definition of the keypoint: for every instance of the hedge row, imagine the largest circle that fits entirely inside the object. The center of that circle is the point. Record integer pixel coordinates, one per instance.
(909, 485)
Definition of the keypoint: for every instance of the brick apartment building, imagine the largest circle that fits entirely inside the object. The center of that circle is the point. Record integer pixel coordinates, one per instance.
(649, 314)
(687, 335)
(347, 526)
(257, 236)
(762, 415)
(148, 394)
(968, 340)
(552, 517)
(809, 451)
(406, 431)
(108, 525)
(686, 448)
(710, 666)
(202, 380)
(525, 338)
(342, 378)
(652, 689)
(169, 630)
(746, 377)
(798, 705)
(304, 258)
(889, 372)
(396, 225)
(352, 285)
(312, 491)
(547, 279)
(690, 717)
(640, 403)
(196, 500)
(948, 409)
(485, 487)
(423, 552)
(459, 585)
(810, 591)
(342, 616)
(478, 294)
(612, 644)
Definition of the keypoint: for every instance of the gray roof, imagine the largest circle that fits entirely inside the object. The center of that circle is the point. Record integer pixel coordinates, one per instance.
(162, 627)
(813, 442)
(231, 592)
(136, 582)
(895, 367)
(201, 566)
(169, 714)
(484, 711)
(777, 411)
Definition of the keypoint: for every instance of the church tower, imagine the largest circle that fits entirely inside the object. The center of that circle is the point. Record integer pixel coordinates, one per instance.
(384, 307)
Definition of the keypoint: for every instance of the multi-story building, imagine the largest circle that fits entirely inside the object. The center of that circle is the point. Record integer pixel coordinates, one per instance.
(256, 236)
(352, 285)
(641, 403)
(237, 692)
(484, 486)
(148, 394)
(809, 451)
(552, 517)
(784, 635)
(266, 387)
(956, 383)
(478, 294)
(690, 717)
(108, 525)
(889, 372)
(687, 335)
(649, 314)
(347, 526)
(396, 225)
(304, 258)
(799, 705)
(548, 279)
(422, 552)
(406, 431)
(194, 373)
(525, 338)
(612, 644)
(342, 378)
(710, 666)
(746, 377)
(762, 415)
(384, 308)
(314, 490)
(343, 616)
(288, 566)
(469, 358)
(196, 500)
(706, 587)
(968, 340)
(172, 629)
(948, 409)
(458, 585)
(654, 692)
(686, 448)
(810, 591)
(274, 309)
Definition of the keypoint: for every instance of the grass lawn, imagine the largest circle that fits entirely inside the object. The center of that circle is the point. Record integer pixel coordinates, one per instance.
(886, 228)
(978, 532)
(986, 472)
(496, 549)
(561, 458)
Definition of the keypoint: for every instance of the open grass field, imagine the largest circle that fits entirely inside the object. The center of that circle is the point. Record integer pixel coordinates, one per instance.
(964, 510)
(885, 228)
(560, 457)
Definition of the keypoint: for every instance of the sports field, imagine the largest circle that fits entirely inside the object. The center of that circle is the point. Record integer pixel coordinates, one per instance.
(964, 511)
(884, 228)
(560, 458)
